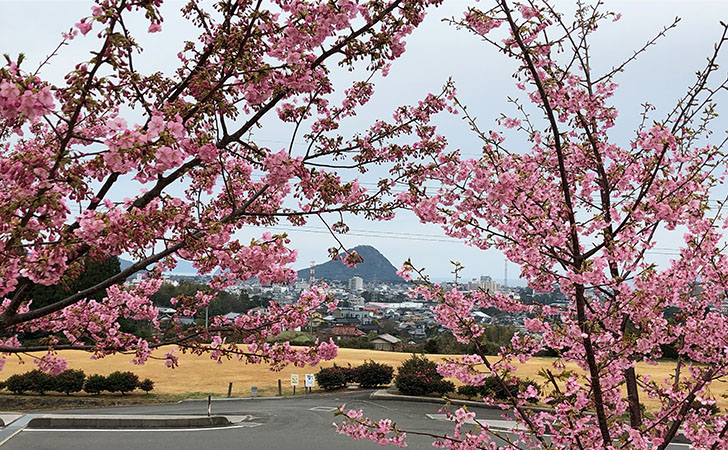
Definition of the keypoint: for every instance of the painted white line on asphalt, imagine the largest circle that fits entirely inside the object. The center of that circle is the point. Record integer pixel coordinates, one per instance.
(104, 430)
(506, 425)
(378, 405)
(494, 423)
(9, 418)
(11, 436)
(323, 408)
(16, 427)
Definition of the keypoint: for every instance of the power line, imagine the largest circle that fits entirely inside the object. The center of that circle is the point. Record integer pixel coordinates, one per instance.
(374, 234)
(422, 237)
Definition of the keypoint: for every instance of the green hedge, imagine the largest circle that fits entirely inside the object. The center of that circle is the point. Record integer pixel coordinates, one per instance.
(71, 380)
(95, 384)
(331, 378)
(372, 374)
(146, 385)
(418, 376)
(122, 382)
(368, 375)
(492, 387)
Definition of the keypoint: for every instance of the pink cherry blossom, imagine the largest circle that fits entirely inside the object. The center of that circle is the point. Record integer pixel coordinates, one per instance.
(84, 26)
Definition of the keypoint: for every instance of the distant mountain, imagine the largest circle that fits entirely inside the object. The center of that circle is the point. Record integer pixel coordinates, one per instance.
(375, 267)
(183, 267)
(124, 264)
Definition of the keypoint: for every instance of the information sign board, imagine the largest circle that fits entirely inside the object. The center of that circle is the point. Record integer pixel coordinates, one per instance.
(310, 380)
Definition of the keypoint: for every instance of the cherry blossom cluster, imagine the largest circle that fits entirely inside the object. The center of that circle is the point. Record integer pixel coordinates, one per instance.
(83, 181)
(357, 427)
(580, 212)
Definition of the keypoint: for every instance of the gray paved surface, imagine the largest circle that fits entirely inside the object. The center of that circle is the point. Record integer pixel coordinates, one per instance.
(289, 423)
(299, 423)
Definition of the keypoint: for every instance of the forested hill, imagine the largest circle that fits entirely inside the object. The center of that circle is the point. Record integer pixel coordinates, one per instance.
(375, 267)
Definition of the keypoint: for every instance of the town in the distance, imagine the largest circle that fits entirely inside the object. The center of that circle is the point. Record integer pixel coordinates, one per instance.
(374, 309)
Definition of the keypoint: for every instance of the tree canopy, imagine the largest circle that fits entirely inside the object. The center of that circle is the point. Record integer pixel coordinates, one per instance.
(161, 166)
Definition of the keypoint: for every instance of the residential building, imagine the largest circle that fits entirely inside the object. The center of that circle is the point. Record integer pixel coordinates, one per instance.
(356, 284)
(385, 342)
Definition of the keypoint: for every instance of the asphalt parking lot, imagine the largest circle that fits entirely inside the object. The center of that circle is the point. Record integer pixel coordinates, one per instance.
(303, 422)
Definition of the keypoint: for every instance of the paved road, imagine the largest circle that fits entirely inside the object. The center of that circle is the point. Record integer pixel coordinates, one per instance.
(289, 423)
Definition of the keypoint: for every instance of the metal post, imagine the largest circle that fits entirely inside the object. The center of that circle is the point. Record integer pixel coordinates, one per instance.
(209, 405)
(230, 389)
(280, 390)
(206, 315)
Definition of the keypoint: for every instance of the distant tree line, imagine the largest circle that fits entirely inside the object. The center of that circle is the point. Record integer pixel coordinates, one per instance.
(223, 303)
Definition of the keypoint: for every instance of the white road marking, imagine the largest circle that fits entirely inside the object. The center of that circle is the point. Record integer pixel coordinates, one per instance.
(501, 424)
(11, 436)
(509, 425)
(323, 408)
(15, 427)
(104, 430)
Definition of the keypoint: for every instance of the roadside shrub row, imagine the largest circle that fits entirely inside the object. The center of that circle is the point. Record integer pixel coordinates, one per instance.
(495, 389)
(418, 376)
(75, 381)
(368, 375)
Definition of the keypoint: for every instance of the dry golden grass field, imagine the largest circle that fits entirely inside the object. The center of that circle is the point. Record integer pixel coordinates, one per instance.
(200, 375)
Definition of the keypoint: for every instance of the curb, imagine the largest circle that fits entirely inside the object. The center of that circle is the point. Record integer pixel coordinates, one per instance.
(56, 421)
(227, 399)
(7, 418)
(382, 394)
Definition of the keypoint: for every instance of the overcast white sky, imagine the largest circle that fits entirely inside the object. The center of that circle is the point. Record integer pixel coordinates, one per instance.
(435, 52)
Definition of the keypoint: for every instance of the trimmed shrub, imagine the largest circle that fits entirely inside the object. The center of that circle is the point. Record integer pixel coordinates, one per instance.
(372, 374)
(95, 384)
(17, 384)
(39, 381)
(146, 385)
(470, 391)
(418, 376)
(69, 381)
(443, 387)
(330, 378)
(493, 388)
(350, 373)
(122, 382)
